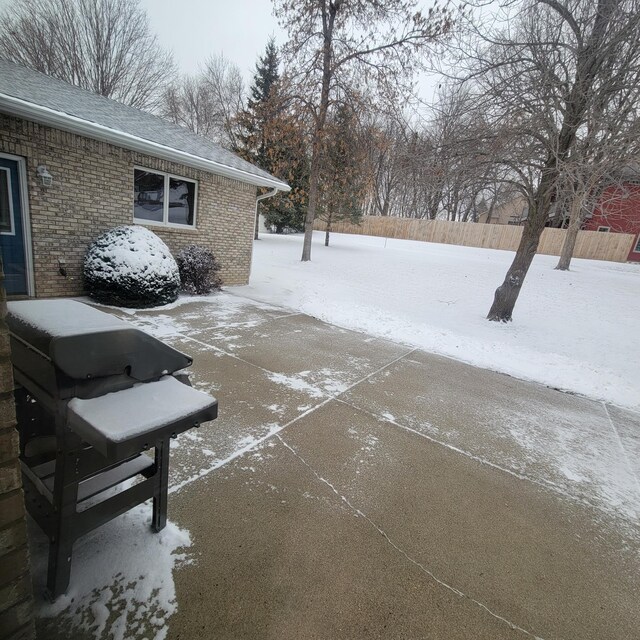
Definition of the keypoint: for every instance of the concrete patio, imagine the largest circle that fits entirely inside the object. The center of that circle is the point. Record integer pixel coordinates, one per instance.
(358, 488)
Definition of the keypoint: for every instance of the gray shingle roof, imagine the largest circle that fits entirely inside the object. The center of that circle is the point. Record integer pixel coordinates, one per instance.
(81, 107)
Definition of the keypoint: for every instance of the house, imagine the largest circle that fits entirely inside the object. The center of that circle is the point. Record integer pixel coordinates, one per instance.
(618, 211)
(511, 211)
(74, 164)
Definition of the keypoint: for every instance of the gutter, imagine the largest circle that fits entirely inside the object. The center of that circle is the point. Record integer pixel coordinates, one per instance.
(269, 194)
(72, 124)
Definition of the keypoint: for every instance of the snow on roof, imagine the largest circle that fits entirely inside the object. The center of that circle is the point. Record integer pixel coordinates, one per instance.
(33, 95)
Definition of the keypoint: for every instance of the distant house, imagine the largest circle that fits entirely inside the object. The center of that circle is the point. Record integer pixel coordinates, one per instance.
(73, 164)
(618, 211)
(513, 211)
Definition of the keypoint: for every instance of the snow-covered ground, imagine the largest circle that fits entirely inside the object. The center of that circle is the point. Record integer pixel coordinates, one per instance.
(122, 584)
(576, 330)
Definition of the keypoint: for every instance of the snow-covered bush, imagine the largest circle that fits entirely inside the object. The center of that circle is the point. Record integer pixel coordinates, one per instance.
(130, 266)
(198, 270)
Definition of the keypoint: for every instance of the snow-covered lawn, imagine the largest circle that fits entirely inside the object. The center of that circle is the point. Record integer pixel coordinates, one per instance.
(576, 330)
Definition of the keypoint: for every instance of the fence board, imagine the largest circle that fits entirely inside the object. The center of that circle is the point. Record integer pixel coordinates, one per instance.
(593, 245)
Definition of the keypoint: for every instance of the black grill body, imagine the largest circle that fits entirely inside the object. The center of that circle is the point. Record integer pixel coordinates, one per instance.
(83, 379)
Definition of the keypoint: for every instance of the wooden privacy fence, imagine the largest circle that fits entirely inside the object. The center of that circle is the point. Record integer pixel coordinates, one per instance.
(593, 245)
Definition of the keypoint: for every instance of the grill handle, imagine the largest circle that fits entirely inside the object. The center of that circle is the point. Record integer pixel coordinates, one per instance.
(113, 352)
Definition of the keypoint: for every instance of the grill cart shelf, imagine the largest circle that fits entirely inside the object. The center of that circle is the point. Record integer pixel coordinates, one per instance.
(92, 395)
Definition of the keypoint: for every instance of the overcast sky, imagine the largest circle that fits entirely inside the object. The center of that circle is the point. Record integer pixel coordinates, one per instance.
(239, 29)
(194, 29)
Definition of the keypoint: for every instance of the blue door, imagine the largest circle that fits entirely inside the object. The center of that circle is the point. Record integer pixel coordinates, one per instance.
(12, 229)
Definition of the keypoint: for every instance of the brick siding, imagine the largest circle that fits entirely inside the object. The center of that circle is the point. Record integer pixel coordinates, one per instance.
(16, 601)
(92, 191)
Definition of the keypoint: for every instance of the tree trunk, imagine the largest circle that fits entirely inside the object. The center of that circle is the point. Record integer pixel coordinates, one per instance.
(314, 177)
(257, 224)
(575, 222)
(326, 236)
(507, 293)
(311, 207)
(490, 212)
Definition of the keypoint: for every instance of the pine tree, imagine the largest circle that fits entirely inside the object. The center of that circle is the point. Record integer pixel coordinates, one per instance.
(255, 119)
(272, 138)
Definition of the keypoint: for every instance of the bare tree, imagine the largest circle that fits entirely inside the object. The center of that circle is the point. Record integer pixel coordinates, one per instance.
(383, 142)
(105, 46)
(537, 78)
(401, 168)
(209, 102)
(602, 162)
(224, 83)
(187, 102)
(584, 188)
(333, 42)
(442, 173)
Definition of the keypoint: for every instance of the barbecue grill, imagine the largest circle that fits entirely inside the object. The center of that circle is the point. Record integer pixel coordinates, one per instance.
(93, 394)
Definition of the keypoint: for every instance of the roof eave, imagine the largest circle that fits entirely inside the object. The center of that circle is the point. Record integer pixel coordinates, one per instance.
(72, 124)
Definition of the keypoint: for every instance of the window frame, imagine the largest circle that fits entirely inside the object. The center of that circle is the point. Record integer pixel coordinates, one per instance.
(636, 246)
(12, 225)
(603, 229)
(165, 208)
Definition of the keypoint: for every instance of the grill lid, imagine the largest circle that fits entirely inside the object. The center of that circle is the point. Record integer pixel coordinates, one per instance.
(86, 343)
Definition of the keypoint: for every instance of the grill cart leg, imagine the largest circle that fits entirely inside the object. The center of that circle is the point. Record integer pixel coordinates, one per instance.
(65, 495)
(162, 485)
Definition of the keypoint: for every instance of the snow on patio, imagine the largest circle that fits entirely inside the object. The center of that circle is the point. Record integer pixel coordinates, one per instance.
(576, 331)
(122, 583)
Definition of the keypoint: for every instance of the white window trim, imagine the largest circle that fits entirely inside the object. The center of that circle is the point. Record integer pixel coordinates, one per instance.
(165, 209)
(602, 229)
(26, 220)
(12, 225)
(636, 246)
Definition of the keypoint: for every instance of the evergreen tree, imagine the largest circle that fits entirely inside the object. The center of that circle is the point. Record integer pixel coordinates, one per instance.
(273, 138)
(255, 119)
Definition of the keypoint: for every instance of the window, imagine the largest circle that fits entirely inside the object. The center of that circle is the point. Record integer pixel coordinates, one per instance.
(604, 229)
(637, 247)
(160, 198)
(6, 203)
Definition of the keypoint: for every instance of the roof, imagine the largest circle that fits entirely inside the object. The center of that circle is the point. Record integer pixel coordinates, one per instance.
(35, 96)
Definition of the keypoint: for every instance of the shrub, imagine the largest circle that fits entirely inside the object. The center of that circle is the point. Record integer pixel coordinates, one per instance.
(198, 270)
(130, 266)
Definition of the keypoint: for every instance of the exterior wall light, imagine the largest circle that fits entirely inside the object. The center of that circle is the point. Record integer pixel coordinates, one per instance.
(44, 175)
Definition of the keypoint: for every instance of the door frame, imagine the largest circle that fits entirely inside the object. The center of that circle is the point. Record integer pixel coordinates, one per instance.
(26, 219)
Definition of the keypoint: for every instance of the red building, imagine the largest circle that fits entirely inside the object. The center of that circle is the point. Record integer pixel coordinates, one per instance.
(619, 212)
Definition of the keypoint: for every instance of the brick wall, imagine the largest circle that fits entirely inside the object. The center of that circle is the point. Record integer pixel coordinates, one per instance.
(16, 604)
(93, 191)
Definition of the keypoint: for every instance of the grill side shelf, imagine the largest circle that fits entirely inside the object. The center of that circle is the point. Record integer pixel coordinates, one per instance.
(126, 422)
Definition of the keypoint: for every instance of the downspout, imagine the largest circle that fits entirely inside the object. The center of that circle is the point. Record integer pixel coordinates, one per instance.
(264, 196)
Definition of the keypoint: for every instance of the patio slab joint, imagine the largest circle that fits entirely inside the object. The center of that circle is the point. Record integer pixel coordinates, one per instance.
(360, 514)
